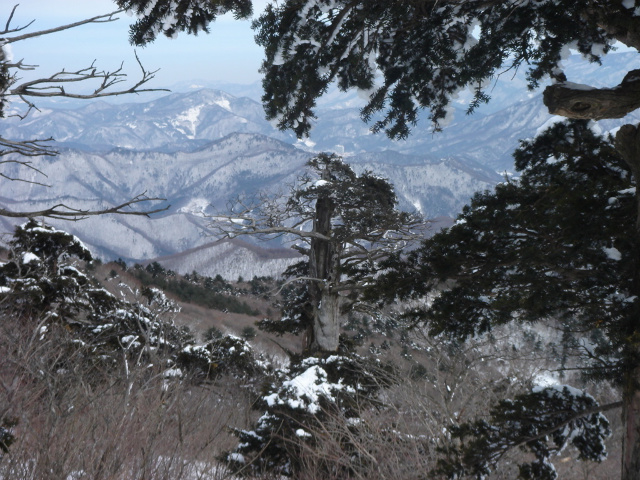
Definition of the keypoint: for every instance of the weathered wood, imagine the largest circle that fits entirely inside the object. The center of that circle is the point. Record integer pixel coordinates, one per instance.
(583, 102)
(324, 334)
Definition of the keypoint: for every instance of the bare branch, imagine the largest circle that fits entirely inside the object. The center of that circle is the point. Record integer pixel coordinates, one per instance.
(53, 86)
(26, 148)
(8, 24)
(106, 18)
(64, 212)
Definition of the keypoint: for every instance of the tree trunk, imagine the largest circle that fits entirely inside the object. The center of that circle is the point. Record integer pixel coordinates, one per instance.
(631, 423)
(326, 326)
(627, 143)
(325, 331)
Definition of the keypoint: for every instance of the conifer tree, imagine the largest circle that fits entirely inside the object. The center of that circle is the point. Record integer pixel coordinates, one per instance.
(427, 51)
(344, 224)
(43, 286)
(548, 247)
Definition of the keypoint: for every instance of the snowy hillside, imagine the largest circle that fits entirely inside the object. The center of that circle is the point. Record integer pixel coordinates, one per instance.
(202, 182)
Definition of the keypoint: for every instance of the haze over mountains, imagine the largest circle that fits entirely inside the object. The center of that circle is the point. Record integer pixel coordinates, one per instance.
(202, 147)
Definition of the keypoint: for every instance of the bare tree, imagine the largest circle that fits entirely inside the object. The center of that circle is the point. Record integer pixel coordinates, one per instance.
(68, 84)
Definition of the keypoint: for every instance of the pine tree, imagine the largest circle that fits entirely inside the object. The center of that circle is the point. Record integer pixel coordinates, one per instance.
(42, 285)
(547, 247)
(345, 224)
(426, 51)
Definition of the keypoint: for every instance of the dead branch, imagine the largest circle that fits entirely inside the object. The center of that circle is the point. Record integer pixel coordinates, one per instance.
(54, 85)
(583, 102)
(64, 212)
(105, 18)
(25, 148)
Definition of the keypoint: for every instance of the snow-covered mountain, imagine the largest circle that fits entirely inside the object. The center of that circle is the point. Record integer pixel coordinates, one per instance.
(200, 148)
(201, 182)
(176, 122)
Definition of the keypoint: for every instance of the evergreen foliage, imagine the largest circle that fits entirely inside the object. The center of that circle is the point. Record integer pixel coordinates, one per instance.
(41, 283)
(169, 17)
(425, 52)
(226, 354)
(344, 224)
(299, 402)
(547, 247)
(214, 293)
(542, 422)
(6, 435)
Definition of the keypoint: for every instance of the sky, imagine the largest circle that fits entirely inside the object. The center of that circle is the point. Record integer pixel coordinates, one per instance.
(227, 55)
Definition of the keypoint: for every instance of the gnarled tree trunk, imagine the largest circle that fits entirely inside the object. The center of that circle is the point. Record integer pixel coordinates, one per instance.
(323, 335)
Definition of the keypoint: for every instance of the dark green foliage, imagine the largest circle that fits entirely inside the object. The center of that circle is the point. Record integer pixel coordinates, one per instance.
(365, 227)
(550, 245)
(37, 277)
(261, 285)
(354, 224)
(310, 391)
(201, 292)
(42, 285)
(248, 333)
(222, 356)
(542, 422)
(297, 311)
(212, 333)
(169, 17)
(425, 52)
(121, 263)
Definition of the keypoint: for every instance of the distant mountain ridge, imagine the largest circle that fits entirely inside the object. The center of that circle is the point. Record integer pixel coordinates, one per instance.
(200, 182)
(201, 148)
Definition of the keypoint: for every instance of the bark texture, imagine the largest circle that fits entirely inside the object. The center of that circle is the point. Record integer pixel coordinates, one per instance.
(631, 422)
(573, 101)
(325, 331)
(627, 143)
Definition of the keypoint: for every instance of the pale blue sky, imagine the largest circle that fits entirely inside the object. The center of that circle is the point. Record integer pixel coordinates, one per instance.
(227, 54)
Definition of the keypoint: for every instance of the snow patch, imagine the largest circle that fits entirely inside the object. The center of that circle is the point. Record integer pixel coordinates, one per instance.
(29, 257)
(548, 124)
(612, 253)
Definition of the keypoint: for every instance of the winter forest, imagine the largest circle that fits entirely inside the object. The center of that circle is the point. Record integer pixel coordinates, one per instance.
(199, 286)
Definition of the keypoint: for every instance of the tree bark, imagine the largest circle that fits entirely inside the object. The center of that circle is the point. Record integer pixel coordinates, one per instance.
(631, 423)
(627, 143)
(582, 102)
(324, 334)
